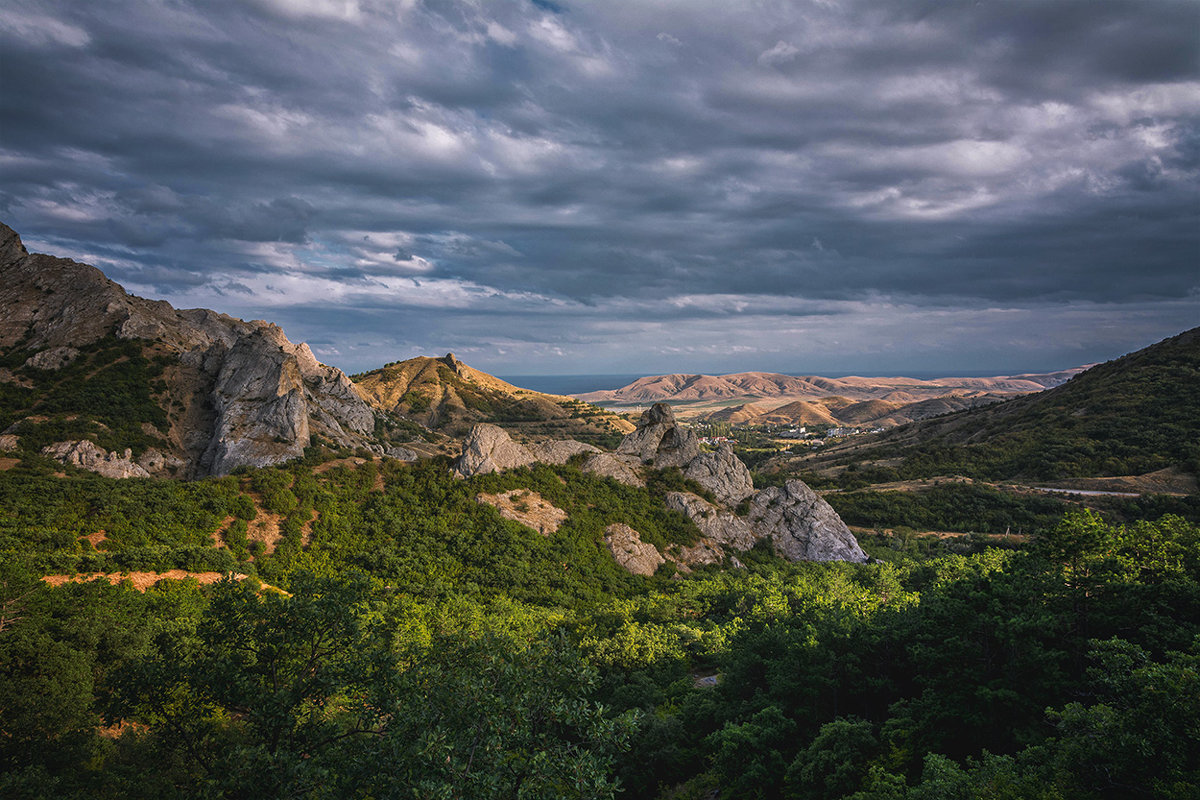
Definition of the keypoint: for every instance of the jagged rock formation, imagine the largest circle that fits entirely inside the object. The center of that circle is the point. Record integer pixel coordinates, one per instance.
(621, 468)
(488, 449)
(798, 523)
(718, 525)
(237, 393)
(640, 558)
(723, 474)
(802, 526)
(559, 451)
(659, 440)
(87, 455)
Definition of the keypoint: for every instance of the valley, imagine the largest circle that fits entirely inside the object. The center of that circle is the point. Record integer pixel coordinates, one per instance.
(227, 569)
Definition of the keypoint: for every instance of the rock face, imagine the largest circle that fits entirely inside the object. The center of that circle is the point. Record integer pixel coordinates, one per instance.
(659, 440)
(238, 393)
(559, 451)
(86, 455)
(802, 526)
(621, 468)
(798, 523)
(720, 526)
(723, 474)
(640, 558)
(487, 449)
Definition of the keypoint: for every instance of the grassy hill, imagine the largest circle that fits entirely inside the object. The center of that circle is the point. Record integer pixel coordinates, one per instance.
(1129, 416)
(448, 396)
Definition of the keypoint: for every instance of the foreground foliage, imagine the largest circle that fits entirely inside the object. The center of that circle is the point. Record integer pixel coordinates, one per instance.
(422, 646)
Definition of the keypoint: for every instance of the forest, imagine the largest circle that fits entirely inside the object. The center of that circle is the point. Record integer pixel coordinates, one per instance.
(399, 639)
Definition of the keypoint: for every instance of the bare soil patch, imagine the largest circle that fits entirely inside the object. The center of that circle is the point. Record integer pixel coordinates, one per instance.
(140, 580)
(527, 508)
(96, 539)
(8, 463)
(353, 462)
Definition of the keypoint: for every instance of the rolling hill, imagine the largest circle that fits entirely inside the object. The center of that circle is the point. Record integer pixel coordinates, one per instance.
(1130, 416)
(447, 396)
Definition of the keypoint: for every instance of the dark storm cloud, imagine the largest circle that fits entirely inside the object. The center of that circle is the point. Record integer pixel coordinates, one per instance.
(656, 185)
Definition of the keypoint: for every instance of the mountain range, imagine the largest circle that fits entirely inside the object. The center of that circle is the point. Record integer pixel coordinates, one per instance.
(767, 398)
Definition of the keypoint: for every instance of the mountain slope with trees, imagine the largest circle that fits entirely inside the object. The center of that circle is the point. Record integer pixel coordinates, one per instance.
(1130, 416)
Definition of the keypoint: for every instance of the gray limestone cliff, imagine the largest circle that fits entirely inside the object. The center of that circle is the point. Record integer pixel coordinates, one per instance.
(489, 448)
(239, 393)
(802, 526)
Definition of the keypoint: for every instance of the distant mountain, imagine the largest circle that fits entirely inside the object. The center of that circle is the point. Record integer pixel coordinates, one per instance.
(99, 378)
(446, 395)
(1130, 416)
(842, 411)
(759, 385)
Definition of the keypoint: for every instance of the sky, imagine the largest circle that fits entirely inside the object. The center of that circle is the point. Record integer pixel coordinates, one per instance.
(565, 187)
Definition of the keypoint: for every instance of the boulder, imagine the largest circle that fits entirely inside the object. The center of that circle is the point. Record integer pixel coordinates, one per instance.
(717, 525)
(723, 474)
(636, 556)
(489, 448)
(801, 525)
(87, 455)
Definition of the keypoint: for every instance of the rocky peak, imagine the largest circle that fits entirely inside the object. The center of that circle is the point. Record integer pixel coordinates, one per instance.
(249, 396)
(660, 440)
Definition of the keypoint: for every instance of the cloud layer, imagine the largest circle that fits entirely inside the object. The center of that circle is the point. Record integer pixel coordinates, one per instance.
(621, 187)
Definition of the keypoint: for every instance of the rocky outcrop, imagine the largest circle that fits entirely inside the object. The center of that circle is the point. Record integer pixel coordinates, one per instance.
(238, 393)
(802, 526)
(9, 441)
(621, 468)
(487, 449)
(559, 451)
(798, 523)
(659, 440)
(723, 474)
(86, 455)
(716, 524)
(638, 557)
(53, 359)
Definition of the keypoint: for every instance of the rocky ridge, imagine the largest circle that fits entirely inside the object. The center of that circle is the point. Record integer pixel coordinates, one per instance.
(237, 393)
(797, 522)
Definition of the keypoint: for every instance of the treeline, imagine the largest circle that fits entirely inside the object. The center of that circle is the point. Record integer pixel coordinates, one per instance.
(1044, 674)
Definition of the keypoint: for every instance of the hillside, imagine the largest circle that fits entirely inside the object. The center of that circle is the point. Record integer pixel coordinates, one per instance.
(96, 377)
(448, 396)
(758, 385)
(895, 408)
(1133, 415)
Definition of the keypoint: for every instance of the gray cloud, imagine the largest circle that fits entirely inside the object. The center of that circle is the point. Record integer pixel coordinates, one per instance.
(625, 186)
